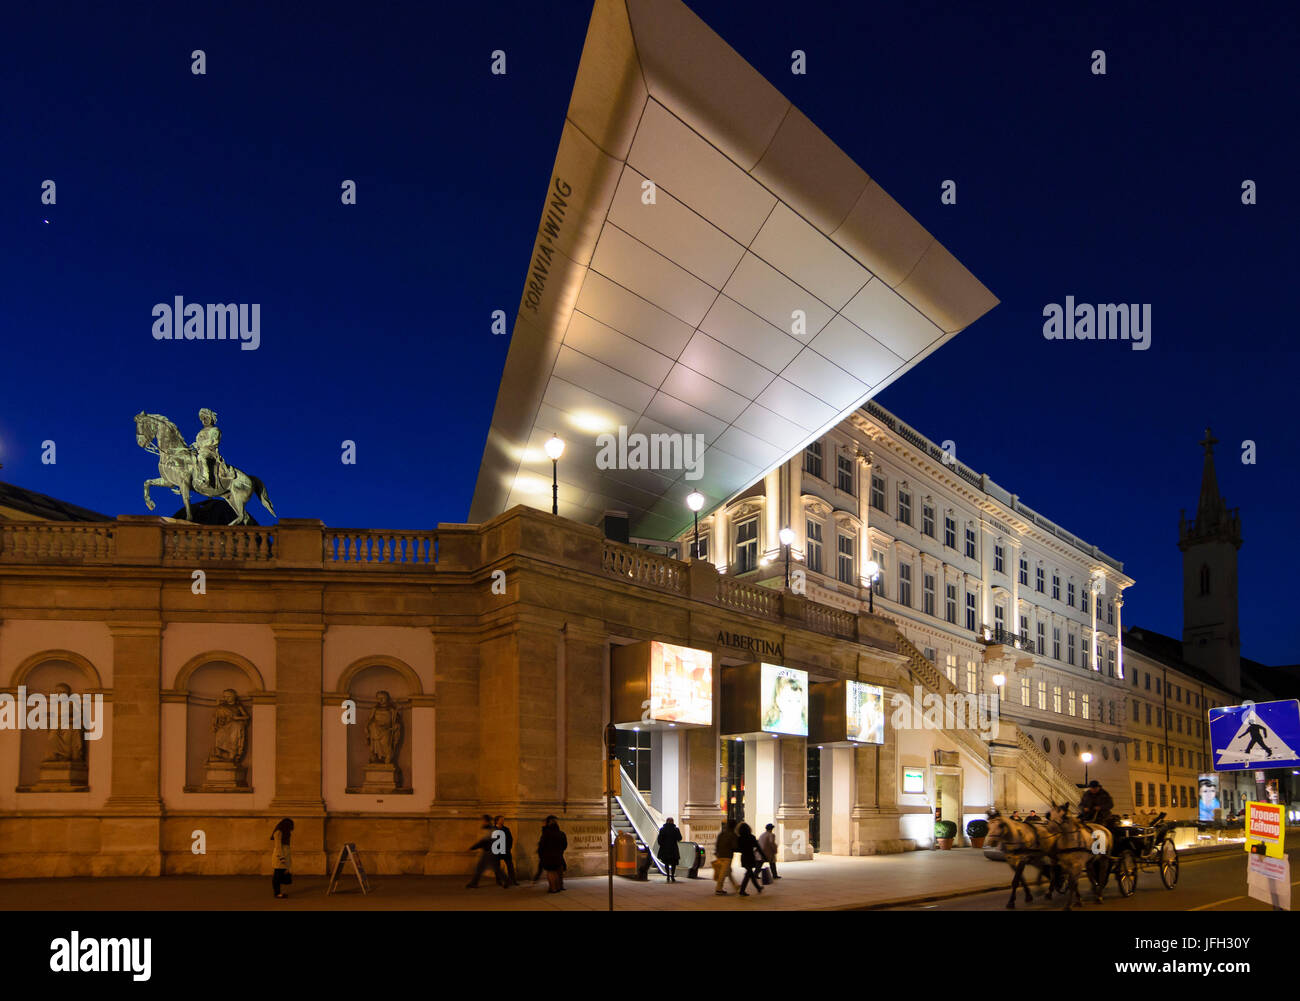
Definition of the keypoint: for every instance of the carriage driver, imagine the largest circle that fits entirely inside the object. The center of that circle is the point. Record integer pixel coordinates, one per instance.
(205, 445)
(1096, 804)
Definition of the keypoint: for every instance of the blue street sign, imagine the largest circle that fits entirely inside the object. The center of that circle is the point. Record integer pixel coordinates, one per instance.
(1256, 734)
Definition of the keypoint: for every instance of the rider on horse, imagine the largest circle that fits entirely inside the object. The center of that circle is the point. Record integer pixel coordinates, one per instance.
(205, 448)
(1096, 804)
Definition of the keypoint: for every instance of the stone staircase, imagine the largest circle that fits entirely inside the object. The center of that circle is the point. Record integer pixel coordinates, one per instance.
(929, 677)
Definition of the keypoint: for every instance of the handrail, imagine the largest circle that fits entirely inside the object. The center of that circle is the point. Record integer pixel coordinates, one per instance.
(642, 816)
(1040, 764)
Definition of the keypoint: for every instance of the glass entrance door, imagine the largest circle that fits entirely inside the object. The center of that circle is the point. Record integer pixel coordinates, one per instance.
(815, 795)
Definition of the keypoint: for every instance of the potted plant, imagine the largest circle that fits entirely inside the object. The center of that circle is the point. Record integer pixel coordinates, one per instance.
(944, 832)
(977, 831)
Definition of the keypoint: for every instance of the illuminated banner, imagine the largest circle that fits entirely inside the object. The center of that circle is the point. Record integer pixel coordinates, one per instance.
(1207, 787)
(661, 684)
(1265, 829)
(846, 713)
(864, 713)
(785, 700)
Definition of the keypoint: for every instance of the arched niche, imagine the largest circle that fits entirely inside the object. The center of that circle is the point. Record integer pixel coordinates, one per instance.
(219, 745)
(362, 682)
(54, 759)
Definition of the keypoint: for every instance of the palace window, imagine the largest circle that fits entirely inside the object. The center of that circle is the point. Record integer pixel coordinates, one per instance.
(1042, 639)
(846, 559)
(949, 532)
(1150, 751)
(1110, 613)
(703, 554)
(1024, 571)
(1083, 648)
(1137, 794)
(1042, 695)
(877, 491)
(970, 543)
(1000, 620)
(971, 677)
(878, 585)
(927, 594)
(812, 459)
(814, 552)
(1039, 581)
(844, 475)
(930, 655)
(970, 611)
(1162, 794)
(1056, 587)
(905, 584)
(999, 558)
(1084, 706)
(1069, 647)
(1069, 593)
(950, 667)
(904, 507)
(1069, 702)
(1151, 793)
(1083, 601)
(747, 545)
(1148, 709)
(1024, 632)
(950, 603)
(1056, 642)
(1110, 662)
(1056, 698)
(1024, 691)
(927, 520)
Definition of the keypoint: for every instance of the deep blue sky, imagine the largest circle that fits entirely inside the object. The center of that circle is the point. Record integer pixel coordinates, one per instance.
(225, 187)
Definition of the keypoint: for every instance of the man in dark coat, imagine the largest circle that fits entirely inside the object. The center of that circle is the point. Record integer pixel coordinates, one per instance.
(1096, 804)
(723, 850)
(667, 850)
(550, 849)
(750, 858)
(507, 848)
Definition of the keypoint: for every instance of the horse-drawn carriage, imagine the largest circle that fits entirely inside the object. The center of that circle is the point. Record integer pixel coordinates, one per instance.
(1064, 848)
(1136, 847)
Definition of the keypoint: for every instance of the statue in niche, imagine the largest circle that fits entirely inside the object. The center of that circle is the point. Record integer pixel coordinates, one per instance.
(384, 730)
(229, 729)
(66, 743)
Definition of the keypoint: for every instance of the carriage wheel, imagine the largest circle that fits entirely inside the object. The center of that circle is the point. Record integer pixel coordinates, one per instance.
(1168, 864)
(1127, 875)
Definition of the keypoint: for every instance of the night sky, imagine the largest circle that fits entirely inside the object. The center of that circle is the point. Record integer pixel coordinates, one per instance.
(375, 317)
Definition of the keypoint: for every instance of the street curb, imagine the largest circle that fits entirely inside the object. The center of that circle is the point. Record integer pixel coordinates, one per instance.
(926, 898)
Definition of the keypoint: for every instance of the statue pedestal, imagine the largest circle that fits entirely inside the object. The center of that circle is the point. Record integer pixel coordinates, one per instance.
(62, 776)
(381, 778)
(224, 776)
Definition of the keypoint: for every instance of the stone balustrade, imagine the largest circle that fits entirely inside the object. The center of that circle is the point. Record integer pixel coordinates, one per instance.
(376, 547)
(55, 541)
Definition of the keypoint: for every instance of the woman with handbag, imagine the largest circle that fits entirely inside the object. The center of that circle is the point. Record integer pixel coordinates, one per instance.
(280, 862)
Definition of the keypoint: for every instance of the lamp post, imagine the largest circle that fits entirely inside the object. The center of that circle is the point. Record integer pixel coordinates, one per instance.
(1086, 758)
(873, 574)
(999, 680)
(787, 536)
(695, 501)
(555, 449)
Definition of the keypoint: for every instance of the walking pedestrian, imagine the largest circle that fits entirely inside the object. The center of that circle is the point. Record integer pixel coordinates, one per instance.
(281, 865)
(747, 845)
(508, 857)
(723, 850)
(487, 858)
(767, 844)
(668, 851)
(550, 849)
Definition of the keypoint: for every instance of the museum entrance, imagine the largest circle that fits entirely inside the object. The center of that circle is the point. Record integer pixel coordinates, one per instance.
(814, 796)
(733, 780)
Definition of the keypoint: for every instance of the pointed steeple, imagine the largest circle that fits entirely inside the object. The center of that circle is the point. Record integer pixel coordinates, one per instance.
(1214, 520)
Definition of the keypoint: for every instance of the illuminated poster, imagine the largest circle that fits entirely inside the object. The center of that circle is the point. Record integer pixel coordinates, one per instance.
(1208, 788)
(784, 700)
(681, 684)
(864, 713)
(913, 780)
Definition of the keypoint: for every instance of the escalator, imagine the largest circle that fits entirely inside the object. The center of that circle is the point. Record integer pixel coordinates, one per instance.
(633, 815)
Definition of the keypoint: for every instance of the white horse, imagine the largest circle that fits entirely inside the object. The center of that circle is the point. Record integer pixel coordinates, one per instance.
(178, 464)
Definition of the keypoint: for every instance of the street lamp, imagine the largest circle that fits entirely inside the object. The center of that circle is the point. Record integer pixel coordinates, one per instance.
(787, 536)
(695, 501)
(873, 575)
(555, 449)
(1086, 758)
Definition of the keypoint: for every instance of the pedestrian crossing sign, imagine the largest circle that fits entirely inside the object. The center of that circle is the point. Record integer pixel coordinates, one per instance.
(1256, 734)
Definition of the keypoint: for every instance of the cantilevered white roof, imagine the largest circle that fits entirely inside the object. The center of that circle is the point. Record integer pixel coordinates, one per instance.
(677, 317)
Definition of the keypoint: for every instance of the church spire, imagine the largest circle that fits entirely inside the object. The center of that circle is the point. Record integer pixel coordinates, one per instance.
(1214, 520)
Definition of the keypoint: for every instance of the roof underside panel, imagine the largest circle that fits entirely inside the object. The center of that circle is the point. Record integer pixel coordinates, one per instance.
(709, 267)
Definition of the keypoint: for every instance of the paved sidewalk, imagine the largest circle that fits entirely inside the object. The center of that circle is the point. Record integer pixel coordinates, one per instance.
(830, 882)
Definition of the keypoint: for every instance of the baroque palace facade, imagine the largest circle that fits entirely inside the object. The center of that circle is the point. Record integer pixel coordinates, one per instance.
(995, 598)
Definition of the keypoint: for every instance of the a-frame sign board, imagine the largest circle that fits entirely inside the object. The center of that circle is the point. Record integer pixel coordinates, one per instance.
(349, 853)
